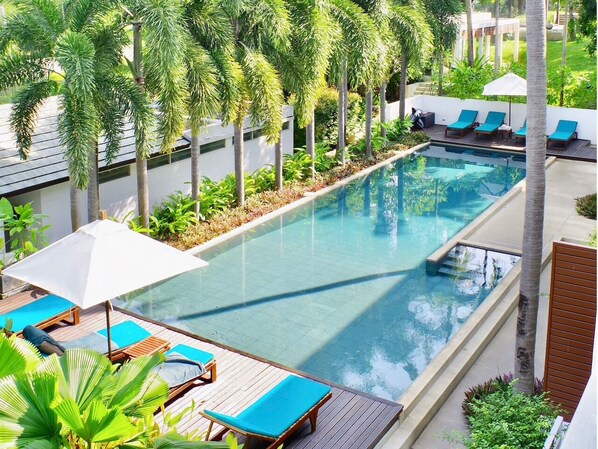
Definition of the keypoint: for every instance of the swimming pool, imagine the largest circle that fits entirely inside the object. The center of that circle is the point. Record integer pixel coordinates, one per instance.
(338, 287)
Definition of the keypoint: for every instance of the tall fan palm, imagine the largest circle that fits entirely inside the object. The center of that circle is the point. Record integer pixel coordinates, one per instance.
(79, 42)
(414, 36)
(529, 290)
(260, 27)
(304, 63)
(355, 57)
(158, 68)
(211, 74)
(380, 12)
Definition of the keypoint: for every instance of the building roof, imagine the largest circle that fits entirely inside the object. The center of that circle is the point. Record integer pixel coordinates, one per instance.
(46, 163)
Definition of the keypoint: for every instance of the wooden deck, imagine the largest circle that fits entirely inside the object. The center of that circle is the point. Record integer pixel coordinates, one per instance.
(349, 420)
(578, 149)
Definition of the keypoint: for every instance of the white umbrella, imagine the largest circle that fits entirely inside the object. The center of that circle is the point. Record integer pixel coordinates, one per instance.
(100, 261)
(509, 84)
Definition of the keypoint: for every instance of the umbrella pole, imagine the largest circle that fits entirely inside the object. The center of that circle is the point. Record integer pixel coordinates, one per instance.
(510, 110)
(107, 305)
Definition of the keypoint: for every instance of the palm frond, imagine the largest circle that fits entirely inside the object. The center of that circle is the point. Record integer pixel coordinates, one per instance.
(75, 53)
(231, 80)
(81, 14)
(265, 91)
(413, 31)
(17, 69)
(25, 110)
(202, 79)
(264, 21)
(78, 129)
(164, 65)
(209, 24)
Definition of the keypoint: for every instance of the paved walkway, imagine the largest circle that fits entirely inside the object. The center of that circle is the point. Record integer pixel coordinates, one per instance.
(565, 181)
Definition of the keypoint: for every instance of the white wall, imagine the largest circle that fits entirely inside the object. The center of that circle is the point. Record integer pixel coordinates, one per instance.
(118, 197)
(447, 111)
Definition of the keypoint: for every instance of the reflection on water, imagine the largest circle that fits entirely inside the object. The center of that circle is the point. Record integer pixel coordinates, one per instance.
(338, 287)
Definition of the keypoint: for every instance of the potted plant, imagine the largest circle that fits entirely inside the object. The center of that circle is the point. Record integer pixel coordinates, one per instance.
(22, 233)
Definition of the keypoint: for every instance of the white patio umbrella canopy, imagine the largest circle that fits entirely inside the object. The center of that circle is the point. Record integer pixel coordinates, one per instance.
(101, 261)
(509, 84)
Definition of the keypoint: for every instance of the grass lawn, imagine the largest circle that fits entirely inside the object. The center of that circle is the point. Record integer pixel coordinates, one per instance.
(581, 87)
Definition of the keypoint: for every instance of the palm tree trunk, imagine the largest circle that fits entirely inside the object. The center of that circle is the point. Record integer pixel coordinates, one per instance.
(383, 108)
(310, 142)
(140, 161)
(195, 173)
(368, 123)
(469, 13)
(239, 164)
(534, 201)
(93, 188)
(278, 163)
(74, 194)
(340, 150)
(403, 87)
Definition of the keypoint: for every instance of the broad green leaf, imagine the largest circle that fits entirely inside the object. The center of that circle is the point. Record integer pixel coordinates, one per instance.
(174, 441)
(16, 356)
(5, 208)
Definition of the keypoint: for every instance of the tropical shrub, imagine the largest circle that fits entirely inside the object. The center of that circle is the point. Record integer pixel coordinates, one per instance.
(25, 229)
(81, 400)
(499, 383)
(296, 166)
(326, 118)
(264, 179)
(395, 129)
(508, 419)
(215, 196)
(173, 216)
(586, 206)
(592, 239)
(468, 82)
(323, 161)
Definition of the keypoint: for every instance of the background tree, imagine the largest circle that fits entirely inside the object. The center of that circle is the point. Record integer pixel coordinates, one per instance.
(587, 23)
(444, 20)
(470, 40)
(534, 200)
(72, 49)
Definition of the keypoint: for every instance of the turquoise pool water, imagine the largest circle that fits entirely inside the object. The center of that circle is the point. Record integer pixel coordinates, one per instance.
(338, 287)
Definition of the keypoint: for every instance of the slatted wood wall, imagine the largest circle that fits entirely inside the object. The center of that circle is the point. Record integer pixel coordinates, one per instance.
(571, 324)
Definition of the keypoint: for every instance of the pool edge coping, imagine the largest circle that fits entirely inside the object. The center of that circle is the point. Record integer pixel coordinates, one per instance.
(307, 198)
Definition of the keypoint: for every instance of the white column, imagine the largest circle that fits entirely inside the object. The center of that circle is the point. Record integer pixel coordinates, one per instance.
(499, 43)
(458, 50)
(516, 48)
(481, 45)
(488, 46)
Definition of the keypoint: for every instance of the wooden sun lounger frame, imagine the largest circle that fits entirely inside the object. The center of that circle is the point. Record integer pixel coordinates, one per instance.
(209, 376)
(311, 414)
(554, 142)
(71, 316)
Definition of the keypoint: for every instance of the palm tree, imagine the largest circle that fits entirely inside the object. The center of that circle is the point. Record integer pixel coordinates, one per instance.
(443, 17)
(80, 44)
(355, 57)
(534, 200)
(304, 63)
(469, 14)
(260, 28)
(414, 37)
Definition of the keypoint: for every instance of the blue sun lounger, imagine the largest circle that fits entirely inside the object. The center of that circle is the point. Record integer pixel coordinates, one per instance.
(41, 313)
(521, 133)
(492, 123)
(185, 366)
(277, 414)
(465, 122)
(565, 133)
(122, 336)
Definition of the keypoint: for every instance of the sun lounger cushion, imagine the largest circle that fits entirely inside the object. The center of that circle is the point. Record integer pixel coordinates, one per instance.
(564, 131)
(184, 364)
(122, 335)
(465, 120)
(522, 132)
(279, 408)
(492, 123)
(36, 312)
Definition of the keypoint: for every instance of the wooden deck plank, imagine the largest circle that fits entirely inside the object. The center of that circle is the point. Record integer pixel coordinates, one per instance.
(578, 149)
(351, 419)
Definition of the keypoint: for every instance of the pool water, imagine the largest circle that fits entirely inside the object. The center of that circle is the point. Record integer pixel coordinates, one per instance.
(338, 288)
